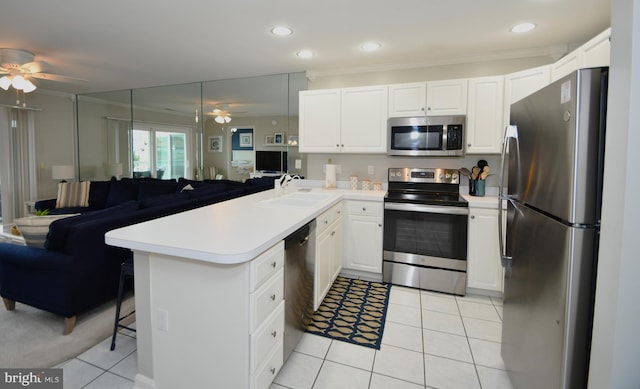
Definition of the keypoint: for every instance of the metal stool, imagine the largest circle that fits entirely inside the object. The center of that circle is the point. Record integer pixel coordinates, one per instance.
(126, 271)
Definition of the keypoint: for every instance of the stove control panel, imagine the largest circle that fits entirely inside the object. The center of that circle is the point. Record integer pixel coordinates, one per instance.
(427, 175)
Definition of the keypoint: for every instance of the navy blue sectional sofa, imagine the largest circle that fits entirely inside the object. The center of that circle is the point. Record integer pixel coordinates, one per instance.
(76, 270)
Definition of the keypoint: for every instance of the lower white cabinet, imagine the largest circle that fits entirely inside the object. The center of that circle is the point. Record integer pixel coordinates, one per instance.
(363, 236)
(484, 267)
(328, 252)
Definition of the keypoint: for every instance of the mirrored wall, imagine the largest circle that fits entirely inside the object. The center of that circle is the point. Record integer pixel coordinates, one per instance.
(233, 129)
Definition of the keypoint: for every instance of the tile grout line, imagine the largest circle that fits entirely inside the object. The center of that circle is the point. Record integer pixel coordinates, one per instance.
(473, 358)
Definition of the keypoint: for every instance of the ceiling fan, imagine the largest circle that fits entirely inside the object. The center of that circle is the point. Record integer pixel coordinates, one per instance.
(19, 70)
(222, 113)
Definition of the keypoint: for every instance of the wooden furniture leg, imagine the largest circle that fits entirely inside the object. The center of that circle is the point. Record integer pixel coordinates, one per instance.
(9, 304)
(69, 323)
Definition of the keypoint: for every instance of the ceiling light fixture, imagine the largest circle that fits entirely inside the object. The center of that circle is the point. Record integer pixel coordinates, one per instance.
(305, 54)
(281, 31)
(370, 46)
(523, 27)
(18, 82)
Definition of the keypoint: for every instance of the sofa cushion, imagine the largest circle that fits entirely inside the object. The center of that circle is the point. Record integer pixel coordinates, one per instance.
(59, 230)
(147, 189)
(121, 192)
(73, 194)
(98, 192)
(34, 229)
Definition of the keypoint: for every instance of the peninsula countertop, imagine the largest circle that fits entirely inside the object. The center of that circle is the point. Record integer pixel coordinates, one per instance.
(229, 232)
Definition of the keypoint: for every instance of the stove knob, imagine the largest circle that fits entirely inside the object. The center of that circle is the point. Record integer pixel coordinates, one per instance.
(448, 176)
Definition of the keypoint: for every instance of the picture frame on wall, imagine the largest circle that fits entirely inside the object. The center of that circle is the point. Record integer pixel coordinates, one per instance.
(269, 139)
(246, 140)
(215, 144)
(278, 138)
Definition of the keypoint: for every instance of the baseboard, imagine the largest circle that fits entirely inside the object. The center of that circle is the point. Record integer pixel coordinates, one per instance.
(144, 382)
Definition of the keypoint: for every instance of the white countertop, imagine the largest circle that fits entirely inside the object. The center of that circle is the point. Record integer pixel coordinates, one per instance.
(481, 202)
(229, 232)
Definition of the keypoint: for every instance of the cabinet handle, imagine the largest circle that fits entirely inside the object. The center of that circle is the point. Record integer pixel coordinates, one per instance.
(273, 264)
(379, 225)
(273, 297)
(326, 222)
(273, 370)
(468, 144)
(421, 108)
(429, 109)
(333, 233)
(274, 333)
(337, 145)
(473, 217)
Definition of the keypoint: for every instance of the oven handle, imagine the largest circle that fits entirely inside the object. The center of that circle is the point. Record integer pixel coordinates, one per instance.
(426, 208)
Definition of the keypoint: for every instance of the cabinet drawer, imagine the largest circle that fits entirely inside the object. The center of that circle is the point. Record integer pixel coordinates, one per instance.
(266, 265)
(263, 378)
(266, 299)
(365, 208)
(328, 217)
(267, 337)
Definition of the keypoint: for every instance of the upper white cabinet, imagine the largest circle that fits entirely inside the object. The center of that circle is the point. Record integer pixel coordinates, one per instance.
(447, 97)
(522, 84)
(319, 127)
(363, 126)
(594, 53)
(485, 115)
(350, 120)
(407, 99)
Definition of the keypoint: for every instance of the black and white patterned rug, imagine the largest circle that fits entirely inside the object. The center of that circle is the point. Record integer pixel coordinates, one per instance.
(353, 311)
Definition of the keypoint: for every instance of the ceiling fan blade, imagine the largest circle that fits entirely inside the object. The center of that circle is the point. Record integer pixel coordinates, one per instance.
(36, 67)
(59, 78)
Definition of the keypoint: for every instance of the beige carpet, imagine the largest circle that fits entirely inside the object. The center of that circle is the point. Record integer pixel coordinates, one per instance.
(32, 338)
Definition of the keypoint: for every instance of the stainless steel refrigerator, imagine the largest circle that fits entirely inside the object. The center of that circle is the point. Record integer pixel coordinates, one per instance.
(555, 151)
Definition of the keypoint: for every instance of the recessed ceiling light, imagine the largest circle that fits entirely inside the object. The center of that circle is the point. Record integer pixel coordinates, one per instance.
(523, 27)
(370, 46)
(305, 54)
(281, 31)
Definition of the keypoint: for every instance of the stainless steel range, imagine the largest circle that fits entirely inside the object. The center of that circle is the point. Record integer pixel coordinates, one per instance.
(425, 230)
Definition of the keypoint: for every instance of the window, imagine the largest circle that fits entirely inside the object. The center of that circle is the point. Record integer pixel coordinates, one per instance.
(160, 151)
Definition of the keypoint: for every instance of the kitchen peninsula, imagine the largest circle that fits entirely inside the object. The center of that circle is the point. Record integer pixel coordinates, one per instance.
(209, 289)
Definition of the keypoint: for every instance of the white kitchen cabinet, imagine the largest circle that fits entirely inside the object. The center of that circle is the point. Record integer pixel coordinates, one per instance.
(408, 99)
(521, 84)
(446, 97)
(319, 127)
(363, 125)
(596, 52)
(349, 120)
(593, 53)
(363, 236)
(328, 252)
(485, 115)
(565, 65)
(484, 267)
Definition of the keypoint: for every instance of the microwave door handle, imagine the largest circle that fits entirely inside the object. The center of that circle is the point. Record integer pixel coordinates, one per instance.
(510, 132)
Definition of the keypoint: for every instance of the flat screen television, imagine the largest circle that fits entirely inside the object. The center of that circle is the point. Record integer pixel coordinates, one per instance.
(271, 161)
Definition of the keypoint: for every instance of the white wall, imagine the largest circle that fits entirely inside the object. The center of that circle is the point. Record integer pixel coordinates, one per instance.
(616, 345)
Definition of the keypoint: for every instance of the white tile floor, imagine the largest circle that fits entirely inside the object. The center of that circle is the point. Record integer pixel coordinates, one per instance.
(430, 341)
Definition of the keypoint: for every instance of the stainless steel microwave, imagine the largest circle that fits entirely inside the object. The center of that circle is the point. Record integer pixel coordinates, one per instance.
(441, 136)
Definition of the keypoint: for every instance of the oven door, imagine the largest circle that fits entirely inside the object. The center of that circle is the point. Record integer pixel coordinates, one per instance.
(426, 235)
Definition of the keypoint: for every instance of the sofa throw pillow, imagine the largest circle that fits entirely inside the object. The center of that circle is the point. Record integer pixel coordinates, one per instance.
(73, 194)
(34, 229)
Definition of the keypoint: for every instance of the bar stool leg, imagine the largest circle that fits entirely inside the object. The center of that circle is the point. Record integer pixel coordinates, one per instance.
(118, 304)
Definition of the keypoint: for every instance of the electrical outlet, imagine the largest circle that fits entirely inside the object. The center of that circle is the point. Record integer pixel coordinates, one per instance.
(370, 169)
(298, 164)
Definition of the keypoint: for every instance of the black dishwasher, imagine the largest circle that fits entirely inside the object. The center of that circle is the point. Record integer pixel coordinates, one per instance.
(298, 284)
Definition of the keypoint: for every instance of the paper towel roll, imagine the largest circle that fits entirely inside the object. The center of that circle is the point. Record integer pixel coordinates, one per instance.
(330, 176)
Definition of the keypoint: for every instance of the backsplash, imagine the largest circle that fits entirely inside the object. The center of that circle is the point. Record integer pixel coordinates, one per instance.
(358, 165)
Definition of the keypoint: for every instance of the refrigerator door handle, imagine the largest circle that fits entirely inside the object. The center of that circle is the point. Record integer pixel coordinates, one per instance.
(510, 132)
